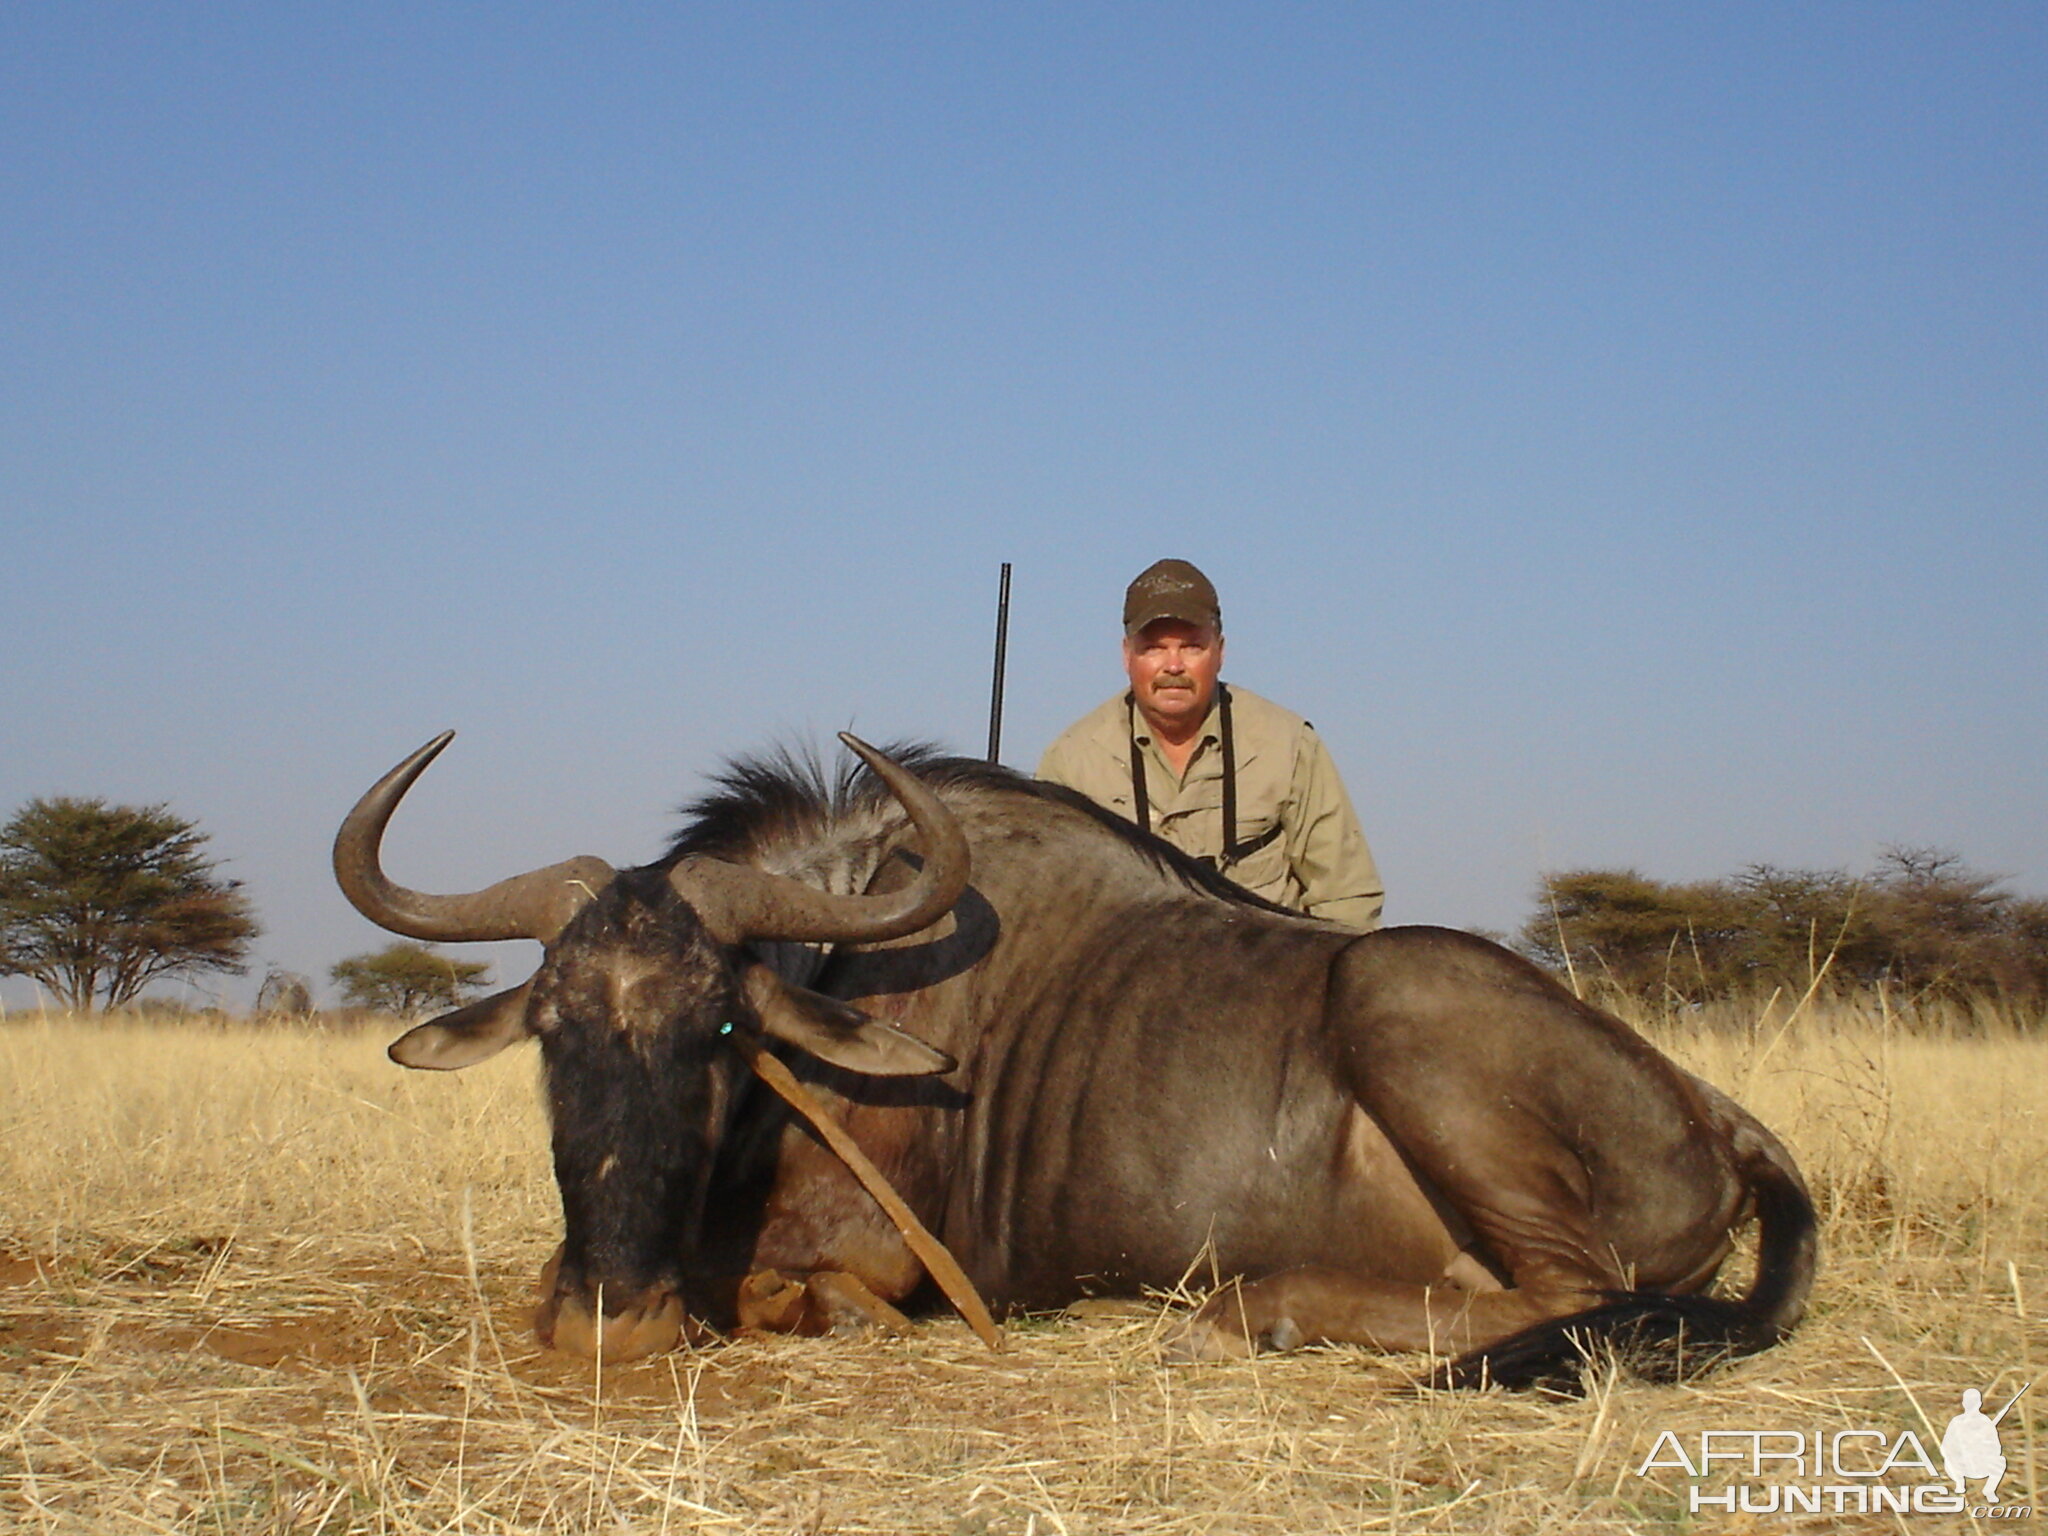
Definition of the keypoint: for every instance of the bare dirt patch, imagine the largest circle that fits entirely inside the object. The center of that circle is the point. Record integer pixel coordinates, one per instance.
(16, 1272)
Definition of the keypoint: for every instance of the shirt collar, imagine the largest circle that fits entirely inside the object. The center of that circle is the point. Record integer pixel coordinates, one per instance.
(1211, 733)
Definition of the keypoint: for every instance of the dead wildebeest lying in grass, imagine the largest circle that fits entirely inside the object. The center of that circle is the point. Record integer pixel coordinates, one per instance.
(1100, 1061)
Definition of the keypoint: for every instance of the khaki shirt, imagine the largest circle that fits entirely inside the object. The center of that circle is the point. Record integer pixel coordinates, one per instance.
(1319, 863)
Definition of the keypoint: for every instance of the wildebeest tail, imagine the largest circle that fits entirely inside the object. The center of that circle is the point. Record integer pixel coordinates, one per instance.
(1669, 1338)
(1789, 1231)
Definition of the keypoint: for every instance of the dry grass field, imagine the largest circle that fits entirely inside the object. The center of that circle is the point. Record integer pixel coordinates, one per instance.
(263, 1281)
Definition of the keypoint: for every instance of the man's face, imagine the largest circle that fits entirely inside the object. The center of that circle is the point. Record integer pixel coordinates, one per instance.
(1173, 667)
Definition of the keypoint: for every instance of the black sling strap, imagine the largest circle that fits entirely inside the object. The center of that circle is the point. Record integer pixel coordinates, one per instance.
(1231, 853)
(1141, 801)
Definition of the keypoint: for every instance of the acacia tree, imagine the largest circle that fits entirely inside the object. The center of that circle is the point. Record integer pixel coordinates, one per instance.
(97, 901)
(405, 977)
(1618, 929)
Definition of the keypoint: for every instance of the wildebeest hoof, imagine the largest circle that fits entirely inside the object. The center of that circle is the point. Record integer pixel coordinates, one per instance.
(826, 1302)
(771, 1302)
(1235, 1325)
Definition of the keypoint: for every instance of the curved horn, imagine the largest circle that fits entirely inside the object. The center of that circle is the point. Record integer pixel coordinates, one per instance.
(738, 902)
(530, 906)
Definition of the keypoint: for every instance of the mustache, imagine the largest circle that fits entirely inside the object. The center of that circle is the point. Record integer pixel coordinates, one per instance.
(1168, 681)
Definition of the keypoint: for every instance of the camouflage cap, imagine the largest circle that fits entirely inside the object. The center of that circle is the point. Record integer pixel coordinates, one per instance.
(1171, 589)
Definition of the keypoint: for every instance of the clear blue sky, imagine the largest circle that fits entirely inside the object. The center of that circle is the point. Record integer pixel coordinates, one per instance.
(1622, 428)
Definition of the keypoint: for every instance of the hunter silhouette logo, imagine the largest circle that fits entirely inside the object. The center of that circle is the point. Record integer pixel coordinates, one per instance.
(1845, 1471)
(1969, 1446)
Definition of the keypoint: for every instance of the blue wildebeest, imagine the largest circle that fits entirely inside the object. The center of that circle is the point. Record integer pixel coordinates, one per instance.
(1086, 1067)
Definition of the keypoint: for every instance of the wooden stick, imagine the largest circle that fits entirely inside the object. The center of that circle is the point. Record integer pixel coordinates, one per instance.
(929, 1250)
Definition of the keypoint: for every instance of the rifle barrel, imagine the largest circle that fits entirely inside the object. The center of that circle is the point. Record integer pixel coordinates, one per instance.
(995, 701)
(2008, 1407)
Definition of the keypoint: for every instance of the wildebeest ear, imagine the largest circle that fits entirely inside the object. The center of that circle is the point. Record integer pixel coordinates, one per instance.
(472, 1033)
(838, 1032)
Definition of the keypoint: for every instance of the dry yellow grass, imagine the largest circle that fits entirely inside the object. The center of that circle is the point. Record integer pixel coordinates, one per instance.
(258, 1281)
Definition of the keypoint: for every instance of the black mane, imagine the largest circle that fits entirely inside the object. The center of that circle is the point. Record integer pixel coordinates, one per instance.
(788, 795)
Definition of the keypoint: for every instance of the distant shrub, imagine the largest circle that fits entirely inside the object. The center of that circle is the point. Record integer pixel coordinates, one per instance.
(1922, 925)
(284, 994)
(408, 978)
